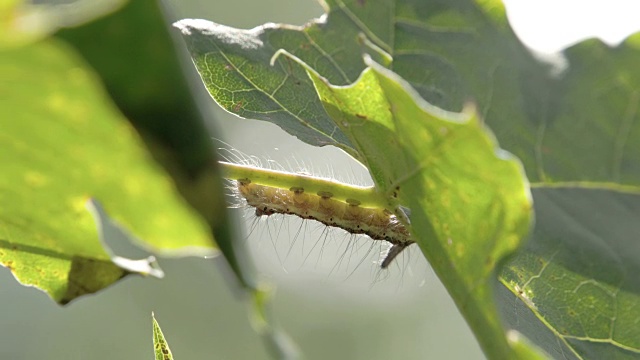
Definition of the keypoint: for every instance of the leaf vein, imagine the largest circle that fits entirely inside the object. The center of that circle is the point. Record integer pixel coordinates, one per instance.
(244, 76)
(622, 136)
(362, 26)
(328, 57)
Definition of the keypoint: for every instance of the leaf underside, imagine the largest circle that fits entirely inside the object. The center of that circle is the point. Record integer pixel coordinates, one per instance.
(577, 133)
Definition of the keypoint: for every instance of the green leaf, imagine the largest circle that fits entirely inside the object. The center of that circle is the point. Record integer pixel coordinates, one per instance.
(62, 143)
(584, 128)
(234, 65)
(149, 86)
(450, 52)
(576, 281)
(160, 345)
(576, 125)
(589, 125)
(396, 147)
(420, 37)
(587, 176)
(146, 82)
(448, 170)
(23, 22)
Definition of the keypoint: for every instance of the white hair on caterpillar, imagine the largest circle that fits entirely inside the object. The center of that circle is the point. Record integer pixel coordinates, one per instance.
(334, 219)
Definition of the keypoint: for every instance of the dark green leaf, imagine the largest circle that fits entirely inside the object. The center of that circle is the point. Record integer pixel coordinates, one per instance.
(590, 133)
(577, 278)
(592, 129)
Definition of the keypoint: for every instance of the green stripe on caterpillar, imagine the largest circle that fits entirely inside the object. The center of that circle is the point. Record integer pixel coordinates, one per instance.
(354, 209)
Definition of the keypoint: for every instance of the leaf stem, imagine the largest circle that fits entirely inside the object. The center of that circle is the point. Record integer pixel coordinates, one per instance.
(366, 196)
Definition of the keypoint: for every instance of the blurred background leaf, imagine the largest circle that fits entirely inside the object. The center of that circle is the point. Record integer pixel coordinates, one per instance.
(61, 143)
(23, 22)
(151, 89)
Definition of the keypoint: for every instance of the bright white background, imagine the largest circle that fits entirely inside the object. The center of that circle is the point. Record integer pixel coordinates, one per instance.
(549, 26)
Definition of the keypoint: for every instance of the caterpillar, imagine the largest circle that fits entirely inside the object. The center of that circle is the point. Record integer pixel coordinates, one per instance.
(323, 200)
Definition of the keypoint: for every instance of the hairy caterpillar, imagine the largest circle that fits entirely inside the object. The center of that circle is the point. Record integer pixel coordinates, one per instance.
(328, 202)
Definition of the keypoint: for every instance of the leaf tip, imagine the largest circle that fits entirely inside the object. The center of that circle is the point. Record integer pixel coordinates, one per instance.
(160, 345)
(183, 26)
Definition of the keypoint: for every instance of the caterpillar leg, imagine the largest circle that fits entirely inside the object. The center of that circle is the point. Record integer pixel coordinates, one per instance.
(393, 252)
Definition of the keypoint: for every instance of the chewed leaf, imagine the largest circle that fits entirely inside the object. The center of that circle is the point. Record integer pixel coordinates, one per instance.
(160, 345)
(577, 124)
(245, 84)
(438, 48)
(449, 53)
(62, 143)
(470, 206)
(23, 22)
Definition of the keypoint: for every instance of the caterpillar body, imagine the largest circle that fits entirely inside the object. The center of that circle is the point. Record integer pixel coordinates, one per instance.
(324, 207)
